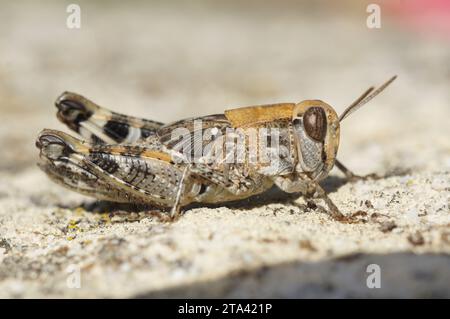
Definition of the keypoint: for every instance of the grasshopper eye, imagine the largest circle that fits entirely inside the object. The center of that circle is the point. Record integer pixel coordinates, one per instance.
(315, 123)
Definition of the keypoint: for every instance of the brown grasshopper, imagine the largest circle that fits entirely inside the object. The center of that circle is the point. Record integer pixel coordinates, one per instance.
(128, 159)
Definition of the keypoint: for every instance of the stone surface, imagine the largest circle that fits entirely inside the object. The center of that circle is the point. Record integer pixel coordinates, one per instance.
(166, 63)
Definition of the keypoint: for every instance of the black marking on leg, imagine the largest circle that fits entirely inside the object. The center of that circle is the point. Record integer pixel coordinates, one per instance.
(96, 140)
(116, 130)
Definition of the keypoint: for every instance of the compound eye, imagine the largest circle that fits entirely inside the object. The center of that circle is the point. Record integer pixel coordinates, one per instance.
(315, 123)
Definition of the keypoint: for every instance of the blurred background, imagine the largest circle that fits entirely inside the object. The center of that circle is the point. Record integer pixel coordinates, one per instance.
(167, 60)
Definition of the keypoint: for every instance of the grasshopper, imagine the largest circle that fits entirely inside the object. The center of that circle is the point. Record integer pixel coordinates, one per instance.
(134, 160)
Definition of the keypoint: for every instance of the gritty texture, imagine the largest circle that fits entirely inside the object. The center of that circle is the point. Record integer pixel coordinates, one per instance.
(165, 62)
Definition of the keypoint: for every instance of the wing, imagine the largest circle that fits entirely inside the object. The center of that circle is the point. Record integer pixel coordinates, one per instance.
(191, 137)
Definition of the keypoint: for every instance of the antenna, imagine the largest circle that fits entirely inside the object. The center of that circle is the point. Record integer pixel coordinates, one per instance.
(364, 98)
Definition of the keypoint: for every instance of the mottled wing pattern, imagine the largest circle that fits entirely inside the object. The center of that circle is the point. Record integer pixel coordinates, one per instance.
(123, 128)
(191, 137)
(138, 170)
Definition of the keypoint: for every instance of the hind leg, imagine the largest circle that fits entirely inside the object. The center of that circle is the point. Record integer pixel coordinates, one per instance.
(99, 125)
(118, 173)
(352, 177)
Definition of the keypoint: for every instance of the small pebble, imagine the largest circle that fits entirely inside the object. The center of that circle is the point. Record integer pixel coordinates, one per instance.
(416, 239)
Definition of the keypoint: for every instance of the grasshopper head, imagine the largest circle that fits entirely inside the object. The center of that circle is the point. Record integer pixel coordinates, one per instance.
(316, 133)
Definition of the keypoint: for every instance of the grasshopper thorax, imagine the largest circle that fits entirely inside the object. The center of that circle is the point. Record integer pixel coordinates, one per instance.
(316, 136)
